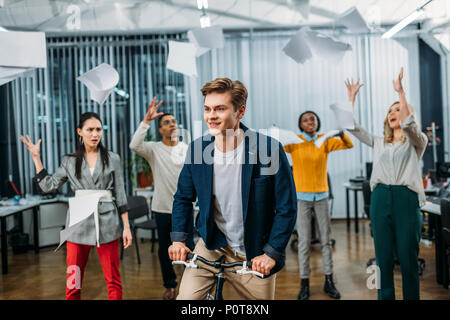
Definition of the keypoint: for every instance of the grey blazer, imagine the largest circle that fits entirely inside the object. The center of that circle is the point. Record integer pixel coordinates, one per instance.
(111, 178)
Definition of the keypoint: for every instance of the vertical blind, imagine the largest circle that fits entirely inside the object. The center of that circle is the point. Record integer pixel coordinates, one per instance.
(48, 103)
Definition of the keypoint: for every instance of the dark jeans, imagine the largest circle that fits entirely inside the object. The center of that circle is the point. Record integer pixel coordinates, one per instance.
(164, 227)
(396, 224)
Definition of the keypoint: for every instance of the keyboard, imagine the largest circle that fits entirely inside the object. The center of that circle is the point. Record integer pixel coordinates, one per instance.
(434, 200)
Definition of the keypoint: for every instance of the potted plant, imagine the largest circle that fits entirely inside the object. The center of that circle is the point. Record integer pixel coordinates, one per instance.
(141, 173)
(144, 172)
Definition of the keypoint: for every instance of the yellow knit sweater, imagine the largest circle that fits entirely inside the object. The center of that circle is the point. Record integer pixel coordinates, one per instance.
(310, 163)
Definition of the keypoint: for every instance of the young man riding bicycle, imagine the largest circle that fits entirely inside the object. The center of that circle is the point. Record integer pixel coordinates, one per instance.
(246, 195)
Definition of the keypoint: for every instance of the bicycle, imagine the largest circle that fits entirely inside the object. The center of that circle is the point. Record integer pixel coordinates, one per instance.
(219, 276)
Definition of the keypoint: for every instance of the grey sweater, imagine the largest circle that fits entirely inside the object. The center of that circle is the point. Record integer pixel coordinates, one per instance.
(397, 164)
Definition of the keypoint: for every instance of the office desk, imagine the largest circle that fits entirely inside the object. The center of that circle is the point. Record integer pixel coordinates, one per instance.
(355, 188)
(15, 209)
(434, 210)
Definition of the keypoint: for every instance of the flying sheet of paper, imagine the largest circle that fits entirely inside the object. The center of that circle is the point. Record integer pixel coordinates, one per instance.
(325, 137)
(209, 37)
(353, 21)
(21, 52)
(8, 74)
(298, 48)
(285, 137)
(100, 81)
(182, 58)
(326, 48)
(302, 6)
(200, 51)
(343, 114)
(6, 80)
(23, 49)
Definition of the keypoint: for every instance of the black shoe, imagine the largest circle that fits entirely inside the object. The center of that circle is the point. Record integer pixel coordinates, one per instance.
(330, 288)
(304, 291)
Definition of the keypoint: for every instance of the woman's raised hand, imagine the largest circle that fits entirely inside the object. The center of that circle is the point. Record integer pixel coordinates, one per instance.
(398, 83)
(352, 89)
(35, 149)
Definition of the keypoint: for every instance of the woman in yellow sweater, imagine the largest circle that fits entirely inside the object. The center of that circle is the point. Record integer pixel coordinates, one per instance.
(310, 176)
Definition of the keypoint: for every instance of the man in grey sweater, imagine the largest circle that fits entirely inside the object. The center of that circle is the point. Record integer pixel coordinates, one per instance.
(166, 159)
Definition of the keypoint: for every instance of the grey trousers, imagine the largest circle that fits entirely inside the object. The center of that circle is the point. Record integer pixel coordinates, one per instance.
(323, 222)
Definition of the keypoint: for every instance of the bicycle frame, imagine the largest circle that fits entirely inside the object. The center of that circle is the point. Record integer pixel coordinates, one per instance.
(220, 281)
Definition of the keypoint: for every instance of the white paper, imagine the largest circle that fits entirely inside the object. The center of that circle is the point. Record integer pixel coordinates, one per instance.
(285, 137)
(353, 21)
(325, 137)
(298, 48)
(8, 74)
(209, 37)
(182, 58)
(82, 207)
(302, 6)
(100, 81)
(326, 48)
(21, 53)
(23, 49)
(200, 51)
(67, 232)
(6, 80)
(343, 114)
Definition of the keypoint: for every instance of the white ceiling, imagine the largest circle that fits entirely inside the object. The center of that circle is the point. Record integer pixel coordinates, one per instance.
(134, 15)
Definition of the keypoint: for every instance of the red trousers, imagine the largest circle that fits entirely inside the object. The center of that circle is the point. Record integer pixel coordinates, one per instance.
(77, 256)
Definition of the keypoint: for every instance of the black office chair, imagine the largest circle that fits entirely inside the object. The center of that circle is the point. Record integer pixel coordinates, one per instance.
(314, 239)
(137, 208)
(366, 196)
(445, 222)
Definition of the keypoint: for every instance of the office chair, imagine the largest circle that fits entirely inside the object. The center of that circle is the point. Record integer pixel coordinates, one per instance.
(366, 196)
(445, 222)
(137, 208)
(314, 239)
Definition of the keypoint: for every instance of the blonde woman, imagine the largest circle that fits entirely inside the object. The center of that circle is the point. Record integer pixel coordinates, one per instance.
(397, 193)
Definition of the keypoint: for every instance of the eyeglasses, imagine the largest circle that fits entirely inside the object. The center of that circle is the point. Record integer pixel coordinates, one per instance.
(167, 122)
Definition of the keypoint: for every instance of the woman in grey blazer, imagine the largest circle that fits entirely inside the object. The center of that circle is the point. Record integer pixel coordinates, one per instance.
(92, 168)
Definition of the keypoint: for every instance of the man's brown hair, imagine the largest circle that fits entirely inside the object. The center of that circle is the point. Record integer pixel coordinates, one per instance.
(236, 89)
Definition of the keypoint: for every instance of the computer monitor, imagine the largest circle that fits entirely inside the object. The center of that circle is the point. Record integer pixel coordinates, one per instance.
(8, 190)
(368, 170)
(442, 170)
(433, 176)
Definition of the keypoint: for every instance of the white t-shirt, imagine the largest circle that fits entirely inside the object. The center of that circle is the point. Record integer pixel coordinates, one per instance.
(92, 171)
(166, 163)
(227, 195)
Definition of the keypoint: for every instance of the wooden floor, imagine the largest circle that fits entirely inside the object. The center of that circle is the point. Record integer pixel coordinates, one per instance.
(43, 276)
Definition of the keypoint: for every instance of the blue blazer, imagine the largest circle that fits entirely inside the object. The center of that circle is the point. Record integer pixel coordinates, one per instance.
(268, 197)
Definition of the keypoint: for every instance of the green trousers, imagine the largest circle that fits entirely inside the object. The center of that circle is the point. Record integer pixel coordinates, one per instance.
(396, 226)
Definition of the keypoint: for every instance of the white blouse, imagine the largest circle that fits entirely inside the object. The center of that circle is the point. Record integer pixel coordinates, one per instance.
(397, 164)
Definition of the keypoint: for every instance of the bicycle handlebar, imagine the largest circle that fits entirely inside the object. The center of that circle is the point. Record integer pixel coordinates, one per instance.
(217, 264)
